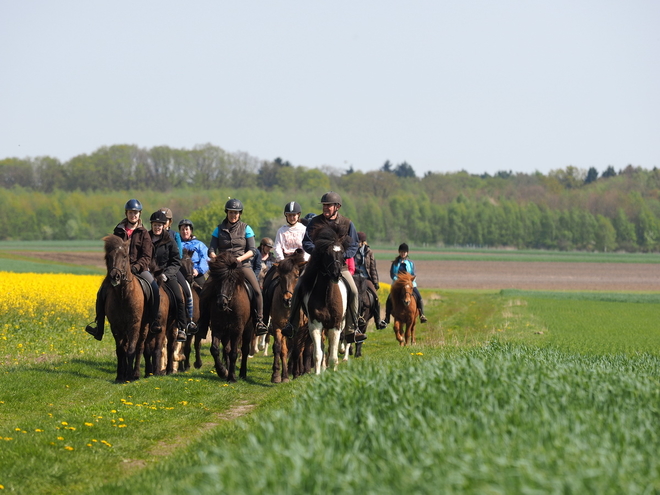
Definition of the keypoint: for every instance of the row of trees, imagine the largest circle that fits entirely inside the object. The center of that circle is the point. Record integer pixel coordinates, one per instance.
(405, 216)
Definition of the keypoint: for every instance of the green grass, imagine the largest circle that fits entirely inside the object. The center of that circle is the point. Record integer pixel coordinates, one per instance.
(24, 264)
(512, 392)
(59, 246)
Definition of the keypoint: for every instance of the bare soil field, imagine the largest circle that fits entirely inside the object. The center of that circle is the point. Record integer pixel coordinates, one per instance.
(492, 275)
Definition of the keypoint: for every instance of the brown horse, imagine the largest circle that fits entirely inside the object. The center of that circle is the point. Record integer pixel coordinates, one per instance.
(324, 296)
(230, 315)
(286, 277)
(157, 357)
(404, 308)
(125, 307)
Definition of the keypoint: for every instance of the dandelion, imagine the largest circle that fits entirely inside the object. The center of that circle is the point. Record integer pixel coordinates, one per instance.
(89, 424)
(65, 423)
(39, 431)
(68, 447)
(60, 438)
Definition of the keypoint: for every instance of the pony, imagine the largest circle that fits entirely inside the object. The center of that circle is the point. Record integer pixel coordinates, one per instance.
(324, 297)
(125, 305)
(365, 309)
(230, 315)
(157, 358)
(404, 308)
(286, 276)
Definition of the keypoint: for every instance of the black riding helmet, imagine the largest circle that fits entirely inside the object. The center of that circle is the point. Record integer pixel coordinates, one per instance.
(133, 204)
(158, 217)
(233, 205)
(292, 207)
(185, 221)
(331, 197)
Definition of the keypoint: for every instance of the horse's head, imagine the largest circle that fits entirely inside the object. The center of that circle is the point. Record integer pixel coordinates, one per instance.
(404, 287)
(117, 259)
(226, 275)
(187, 265)
(288, 272)
(328, 254)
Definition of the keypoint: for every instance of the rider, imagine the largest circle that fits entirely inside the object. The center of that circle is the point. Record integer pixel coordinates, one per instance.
(237, 237)
(185, 286)
(331, 202)
(404, 264)
(365, 267)
(140, 252)
(198, 249)
(264, 259)
(166, 259)
(288, 240)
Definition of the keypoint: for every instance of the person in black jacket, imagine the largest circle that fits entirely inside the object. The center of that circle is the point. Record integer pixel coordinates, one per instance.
(166, 259)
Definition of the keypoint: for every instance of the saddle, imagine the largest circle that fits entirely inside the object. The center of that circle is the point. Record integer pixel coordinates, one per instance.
(146, 288)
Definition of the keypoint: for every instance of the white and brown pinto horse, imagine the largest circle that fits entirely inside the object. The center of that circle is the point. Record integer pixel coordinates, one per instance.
(325, 295)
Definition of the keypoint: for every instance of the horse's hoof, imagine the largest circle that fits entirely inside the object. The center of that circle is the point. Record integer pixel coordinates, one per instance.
(276, 379)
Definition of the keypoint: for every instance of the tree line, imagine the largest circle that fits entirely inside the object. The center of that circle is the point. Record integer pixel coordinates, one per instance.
(568, 208)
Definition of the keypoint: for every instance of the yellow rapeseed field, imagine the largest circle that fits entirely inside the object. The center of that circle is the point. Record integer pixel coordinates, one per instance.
(44, 313)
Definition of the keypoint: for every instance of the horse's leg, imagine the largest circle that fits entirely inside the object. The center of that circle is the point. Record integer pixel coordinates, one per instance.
(285, 359)
(121, 360)
(358, 350)
(412, 331)
(315, 333)
(198, 350)
(187, 345)
(247, 341)
(333, 348)
(215, 352)
(397, 331)
(278, 364)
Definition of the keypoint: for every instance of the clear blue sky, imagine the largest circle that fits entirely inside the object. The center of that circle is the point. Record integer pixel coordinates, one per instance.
(444, 85)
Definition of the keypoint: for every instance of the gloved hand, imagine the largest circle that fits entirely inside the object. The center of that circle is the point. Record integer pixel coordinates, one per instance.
(135, 269)
(163, 277)
(377, 286)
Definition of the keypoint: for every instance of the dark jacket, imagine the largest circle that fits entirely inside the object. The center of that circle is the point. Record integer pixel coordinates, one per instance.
(365, 258)
(141, 248)
(232, 238)
(166, 255)
(345, 228)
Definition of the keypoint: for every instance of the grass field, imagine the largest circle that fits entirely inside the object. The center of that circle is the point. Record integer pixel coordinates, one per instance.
(506, 392)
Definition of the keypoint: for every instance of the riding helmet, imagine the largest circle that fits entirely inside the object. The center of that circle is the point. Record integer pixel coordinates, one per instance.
(168, 213)
(403, 247)
(267, 241)
(233, 205)
(185, 221)
(133, 204)
(331, 198)
(292, 207)
(158, 217)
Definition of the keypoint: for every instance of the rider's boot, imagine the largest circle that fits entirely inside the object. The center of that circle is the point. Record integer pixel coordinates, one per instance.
(154, 309)
(422, 317)
(380, 324)
(260, 327)
(97, 330)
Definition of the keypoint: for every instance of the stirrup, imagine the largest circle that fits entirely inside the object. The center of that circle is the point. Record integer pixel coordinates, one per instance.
(361, 321)
(288, 331)
(381, 325)
(354, 337)
(423, 318)
(181, 335)
(260, 328)
(191, 328)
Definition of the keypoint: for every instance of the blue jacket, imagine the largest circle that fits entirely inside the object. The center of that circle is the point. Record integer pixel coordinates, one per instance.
(176, 237)
(199, 255)
(399, 265)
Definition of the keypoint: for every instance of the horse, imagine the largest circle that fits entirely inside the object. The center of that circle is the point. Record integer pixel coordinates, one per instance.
(125, 307)
(366, 304)
(324, 297)
(187, 270)
(286, 276)
(230, 315)
(157, 358)
(404, 308)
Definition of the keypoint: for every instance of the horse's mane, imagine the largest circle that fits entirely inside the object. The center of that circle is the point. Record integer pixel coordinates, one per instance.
(325, 237)
(225, 267)
(402, 279)
(112, 242)
(288, 264)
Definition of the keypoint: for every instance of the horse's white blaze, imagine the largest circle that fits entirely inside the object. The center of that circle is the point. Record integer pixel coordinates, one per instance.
(336, 248)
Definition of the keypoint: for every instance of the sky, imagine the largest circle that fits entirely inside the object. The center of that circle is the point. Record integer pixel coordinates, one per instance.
(480, 86)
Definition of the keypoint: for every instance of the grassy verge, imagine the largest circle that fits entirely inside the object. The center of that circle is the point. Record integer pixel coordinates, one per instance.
(497, 397)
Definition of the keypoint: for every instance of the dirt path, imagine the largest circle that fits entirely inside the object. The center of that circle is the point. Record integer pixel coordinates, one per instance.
(486, 274)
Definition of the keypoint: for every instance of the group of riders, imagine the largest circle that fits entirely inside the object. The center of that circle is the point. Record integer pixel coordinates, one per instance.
(161, 250)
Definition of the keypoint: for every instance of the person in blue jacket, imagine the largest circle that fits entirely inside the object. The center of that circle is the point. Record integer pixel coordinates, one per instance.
(404, 264)
(198, 248)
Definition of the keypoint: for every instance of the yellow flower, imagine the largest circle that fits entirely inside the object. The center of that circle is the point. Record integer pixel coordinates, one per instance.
(60, 438)
(89, 424)
(68, 447)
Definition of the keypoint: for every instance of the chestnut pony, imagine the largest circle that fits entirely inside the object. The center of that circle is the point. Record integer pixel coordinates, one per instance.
(404, 308)
(287, 274)
(125, 308)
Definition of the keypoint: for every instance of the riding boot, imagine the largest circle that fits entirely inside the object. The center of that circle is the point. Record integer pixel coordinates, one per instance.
(388, 310)
(97, 331)
(380, 324)
(154, 310)
(420, 305)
